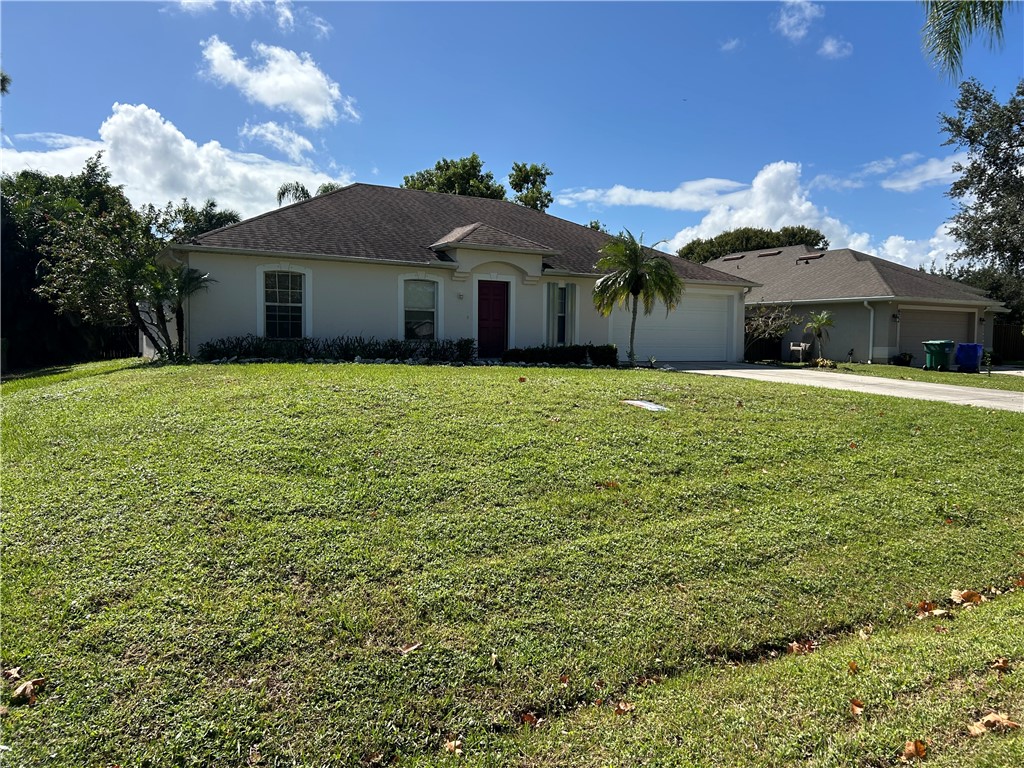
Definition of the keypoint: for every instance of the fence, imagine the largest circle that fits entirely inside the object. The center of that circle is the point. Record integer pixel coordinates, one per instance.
(1008, 341)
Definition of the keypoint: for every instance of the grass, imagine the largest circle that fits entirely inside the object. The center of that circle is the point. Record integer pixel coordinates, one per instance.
(910, 373)
(274, 564)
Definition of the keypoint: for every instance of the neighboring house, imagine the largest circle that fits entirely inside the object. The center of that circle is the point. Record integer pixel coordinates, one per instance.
(879, 308)
(388, 263)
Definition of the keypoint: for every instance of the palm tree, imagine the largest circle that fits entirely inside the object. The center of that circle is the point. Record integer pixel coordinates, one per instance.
(642, 273)
(5, 82)
(296, 191)
(950, 24)
(818, 323)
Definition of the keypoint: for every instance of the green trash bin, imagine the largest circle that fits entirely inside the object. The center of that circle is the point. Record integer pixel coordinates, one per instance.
(936, 354)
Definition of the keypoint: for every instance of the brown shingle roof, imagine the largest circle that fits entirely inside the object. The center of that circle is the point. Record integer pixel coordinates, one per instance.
(377, 223)
(480, 234)
(799, 273)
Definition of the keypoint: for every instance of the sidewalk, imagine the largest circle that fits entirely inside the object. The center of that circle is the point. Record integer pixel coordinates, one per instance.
(994, 399)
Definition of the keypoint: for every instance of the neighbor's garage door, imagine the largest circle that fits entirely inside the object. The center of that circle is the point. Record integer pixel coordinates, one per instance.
(696, 330)
(921, 325)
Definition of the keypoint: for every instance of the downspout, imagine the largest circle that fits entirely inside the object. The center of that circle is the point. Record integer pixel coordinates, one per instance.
(871, 331)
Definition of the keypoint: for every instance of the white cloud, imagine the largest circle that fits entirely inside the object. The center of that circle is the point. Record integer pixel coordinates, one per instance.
(156, 162)
(837, 183)
(285, 81)
(55, 140)
(795, 18)
(246, 8)
(323, 28)
(914, 253)
(689, 196)
(283, 139)
(932, 171)
(196, 7)
(730, 45)
(285, 17)
(835, 48)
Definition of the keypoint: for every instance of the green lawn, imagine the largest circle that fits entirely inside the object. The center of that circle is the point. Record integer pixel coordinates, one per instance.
(909, 373)
(291, 564)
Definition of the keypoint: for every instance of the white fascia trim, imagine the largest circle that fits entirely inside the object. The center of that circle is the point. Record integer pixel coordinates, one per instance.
(307, 295)
(315, 257)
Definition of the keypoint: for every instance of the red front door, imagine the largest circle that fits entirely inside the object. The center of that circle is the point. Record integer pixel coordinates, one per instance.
(492, 318)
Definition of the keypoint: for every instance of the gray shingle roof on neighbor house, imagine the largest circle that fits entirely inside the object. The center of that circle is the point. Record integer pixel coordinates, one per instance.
(801, 274)
(388, 224)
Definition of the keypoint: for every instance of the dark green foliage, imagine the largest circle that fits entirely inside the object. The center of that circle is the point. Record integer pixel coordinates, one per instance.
(338, 348)
(530, 185)
(464, 176)
(950, 24)
(34, 205)
(182, 222)
(577, 354)
(750, 239)
(997, 283)
(989, 191)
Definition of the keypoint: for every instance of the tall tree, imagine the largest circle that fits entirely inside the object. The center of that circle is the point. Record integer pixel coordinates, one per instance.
(183, 222)
(296, 191)
(751, 239)
(633, 271)
(464, 176)
(5, 83)
(530, 185)
(989, 222)
(950, 25)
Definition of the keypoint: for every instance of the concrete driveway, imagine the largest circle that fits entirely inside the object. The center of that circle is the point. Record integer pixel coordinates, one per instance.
(994, 399)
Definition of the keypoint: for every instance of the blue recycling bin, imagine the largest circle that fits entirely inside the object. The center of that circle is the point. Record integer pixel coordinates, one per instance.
(968, 357)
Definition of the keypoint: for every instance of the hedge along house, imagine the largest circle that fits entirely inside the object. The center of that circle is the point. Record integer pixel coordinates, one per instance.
(388, 263)
(879, 308)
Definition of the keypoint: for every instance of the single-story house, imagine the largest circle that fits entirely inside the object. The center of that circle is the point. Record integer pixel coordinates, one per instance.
(879, 308)
(387, 263)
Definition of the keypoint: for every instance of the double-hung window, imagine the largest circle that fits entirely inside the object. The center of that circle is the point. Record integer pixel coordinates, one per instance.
(283, 294)
(420, 310)
(561, 320)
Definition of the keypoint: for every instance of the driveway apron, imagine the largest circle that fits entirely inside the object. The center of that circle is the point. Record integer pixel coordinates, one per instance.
(993, 399)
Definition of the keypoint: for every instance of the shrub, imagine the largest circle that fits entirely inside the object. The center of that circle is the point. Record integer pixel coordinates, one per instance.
(823, 362)
(338, 348)
(903, 358)
(574, 354)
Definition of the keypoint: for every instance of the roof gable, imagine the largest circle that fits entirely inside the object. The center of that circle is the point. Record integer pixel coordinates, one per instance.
(389, 224)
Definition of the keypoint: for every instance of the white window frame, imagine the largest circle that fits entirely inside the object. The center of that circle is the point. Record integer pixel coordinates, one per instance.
(572, 316)
(438, 308)
(261, 296)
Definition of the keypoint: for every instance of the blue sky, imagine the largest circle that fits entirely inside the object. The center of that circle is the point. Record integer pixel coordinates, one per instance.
(677, 120)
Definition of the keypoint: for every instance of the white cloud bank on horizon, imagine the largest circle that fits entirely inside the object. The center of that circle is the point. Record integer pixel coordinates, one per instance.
(156, 162)
(284, 80)
(775, 198)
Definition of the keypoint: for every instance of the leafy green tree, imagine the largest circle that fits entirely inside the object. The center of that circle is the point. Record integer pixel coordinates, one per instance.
(997, 283)
(598, 225)
(464, 176)
(751, 239)
(950, 24)
(818, 323)
(633, 271)
(184, 222)
(38, 333)
(530, 185)
(989, 222)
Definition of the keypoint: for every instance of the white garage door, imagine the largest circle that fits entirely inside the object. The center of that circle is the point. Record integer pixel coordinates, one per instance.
(920, 325)
(697, 330)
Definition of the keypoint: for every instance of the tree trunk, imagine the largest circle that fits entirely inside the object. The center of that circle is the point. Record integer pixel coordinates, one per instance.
(179, 322)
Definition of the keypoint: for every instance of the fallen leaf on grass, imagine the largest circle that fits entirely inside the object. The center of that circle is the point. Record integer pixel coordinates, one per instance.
(12, 674)
(865, 633)
(914, 750)
(853, 667)
(453, 747)
(610, 484)
(856, 707)
(563, 680)
(529, 718)
(27, 691)
(966, 596)
(623, 707)
(996, 721)
(940, 629)
(807, 646)
(522, 379)
(3, 711)
(408, 648)
(1000, 665)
